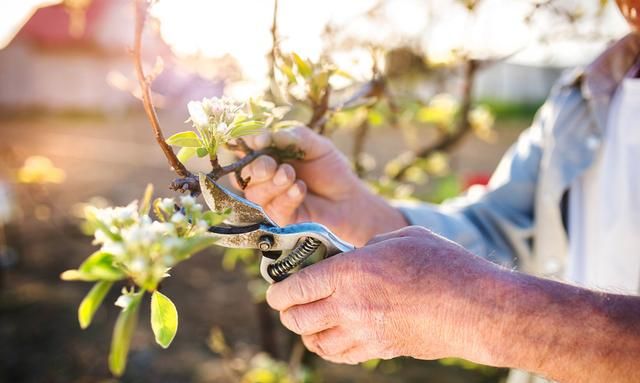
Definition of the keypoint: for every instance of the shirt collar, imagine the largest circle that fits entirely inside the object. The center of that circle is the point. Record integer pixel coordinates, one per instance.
(603, 76)
(599, 81)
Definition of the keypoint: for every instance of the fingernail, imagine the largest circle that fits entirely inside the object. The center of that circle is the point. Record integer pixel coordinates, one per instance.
(294, 191)
(260, 169)
(281, 177)
(262, 140)
(285, 137)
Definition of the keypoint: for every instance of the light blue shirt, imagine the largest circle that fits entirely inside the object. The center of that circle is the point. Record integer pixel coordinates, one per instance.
(517, 220)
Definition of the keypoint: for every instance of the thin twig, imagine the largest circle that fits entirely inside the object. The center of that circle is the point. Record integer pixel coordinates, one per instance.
(274, 41)
(323, 111)
(191, 182)
(319, 118)
(463, 125)
(141, 15)
(241, 163)
(359, 139)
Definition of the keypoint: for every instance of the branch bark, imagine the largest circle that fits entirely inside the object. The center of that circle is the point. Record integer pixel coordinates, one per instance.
(274, 41)
(463, 126)
(359, 140)
(141, 7)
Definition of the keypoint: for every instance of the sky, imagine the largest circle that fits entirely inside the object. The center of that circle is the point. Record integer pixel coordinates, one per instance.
(214, 28)
(241, 28)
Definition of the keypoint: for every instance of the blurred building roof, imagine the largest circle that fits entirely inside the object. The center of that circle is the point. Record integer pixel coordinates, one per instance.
(60, 26)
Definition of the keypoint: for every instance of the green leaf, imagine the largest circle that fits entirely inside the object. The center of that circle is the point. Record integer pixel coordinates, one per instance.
(159, 213)
(91, 302)
(246, 128)
(187, 139)
(122, 333)
(215, 218)
(164, 319)
(343, 74)
(185, 154)
(145, 204)
(77, 275)
(303, 66)
(202, 152)
(100, 265)
(193, 245)
(286, 69)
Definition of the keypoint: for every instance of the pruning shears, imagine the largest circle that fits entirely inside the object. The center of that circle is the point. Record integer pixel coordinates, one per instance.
(284, 249)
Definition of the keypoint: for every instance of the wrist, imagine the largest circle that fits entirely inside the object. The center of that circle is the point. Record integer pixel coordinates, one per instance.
(462, 301)
(377, 216)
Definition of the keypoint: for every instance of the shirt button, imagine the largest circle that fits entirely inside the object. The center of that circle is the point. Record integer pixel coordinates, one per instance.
(593, 142)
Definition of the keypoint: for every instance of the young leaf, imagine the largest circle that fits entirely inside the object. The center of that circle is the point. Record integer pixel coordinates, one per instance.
(202, 152)
(193, 245)
(186, 139)
(91, 302)
(77, 275)
(100, 265)
(145, 204)
(303, 67)
(286, 69)
(164, 319)
(246, 128)
(185, 154)
(122, 333)
(214, 218)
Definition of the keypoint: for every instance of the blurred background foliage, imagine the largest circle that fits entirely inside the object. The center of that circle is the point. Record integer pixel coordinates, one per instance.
(423, 96)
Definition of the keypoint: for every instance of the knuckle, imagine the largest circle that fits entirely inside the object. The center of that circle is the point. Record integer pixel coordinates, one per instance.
(299, 286)
(416, 231)
(291, 320)
(319, 343)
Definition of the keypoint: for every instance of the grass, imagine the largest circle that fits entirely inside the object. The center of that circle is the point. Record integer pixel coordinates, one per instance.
(510, 111)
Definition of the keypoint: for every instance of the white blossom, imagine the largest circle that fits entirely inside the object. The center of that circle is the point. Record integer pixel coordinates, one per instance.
(144, 248)
(222, 128)
(197, 113)
(167, 204)
(187, 201)
(178, 218)
(124, 301)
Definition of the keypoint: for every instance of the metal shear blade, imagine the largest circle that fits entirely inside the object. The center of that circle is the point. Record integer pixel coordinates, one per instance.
(243, 212)
(249, 227)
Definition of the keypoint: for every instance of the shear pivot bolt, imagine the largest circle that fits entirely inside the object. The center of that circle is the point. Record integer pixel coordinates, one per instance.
(265, 243)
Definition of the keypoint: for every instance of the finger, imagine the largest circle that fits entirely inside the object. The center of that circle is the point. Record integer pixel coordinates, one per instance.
(310, 318)
(333, 341)
(258, 141)
(283, 208)
(310, 284)
(409, 231)
(312, 144)
(264, 192)
(355, 355)
(261, 169)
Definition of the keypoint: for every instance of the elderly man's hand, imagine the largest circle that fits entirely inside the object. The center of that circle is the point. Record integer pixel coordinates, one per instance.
(320, 188)
(407, 293)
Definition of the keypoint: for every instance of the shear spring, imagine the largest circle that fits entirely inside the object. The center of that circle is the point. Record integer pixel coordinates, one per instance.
(282, 267)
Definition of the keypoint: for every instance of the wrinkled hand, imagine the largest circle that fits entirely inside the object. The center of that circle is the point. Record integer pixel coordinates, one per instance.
(407, 293)
(320, 188)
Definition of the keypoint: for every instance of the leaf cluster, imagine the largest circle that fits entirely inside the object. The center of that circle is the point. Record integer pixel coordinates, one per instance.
(140, 249)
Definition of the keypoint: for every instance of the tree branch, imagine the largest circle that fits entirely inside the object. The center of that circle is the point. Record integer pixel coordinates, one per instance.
(141, 7)
(274, 41)
(463, 125)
